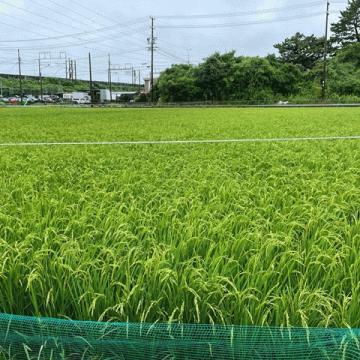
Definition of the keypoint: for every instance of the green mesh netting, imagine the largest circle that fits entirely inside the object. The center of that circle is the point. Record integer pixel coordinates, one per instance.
(37, 338)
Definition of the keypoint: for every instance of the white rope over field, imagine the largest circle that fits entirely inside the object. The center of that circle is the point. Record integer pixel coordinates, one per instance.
(179, 142)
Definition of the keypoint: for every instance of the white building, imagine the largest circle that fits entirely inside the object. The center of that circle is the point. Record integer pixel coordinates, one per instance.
(147, 86)
(105, 95)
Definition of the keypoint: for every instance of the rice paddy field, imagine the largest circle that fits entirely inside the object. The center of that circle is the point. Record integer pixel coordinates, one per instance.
(225, 233)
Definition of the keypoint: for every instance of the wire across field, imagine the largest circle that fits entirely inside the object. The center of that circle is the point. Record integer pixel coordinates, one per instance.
(256, 233)
(133, 125)
(180, 142)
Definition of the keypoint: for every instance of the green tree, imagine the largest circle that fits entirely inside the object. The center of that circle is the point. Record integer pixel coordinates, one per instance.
(178, 84)
(345, 71)
(214, 76)
(253, 79)
(223, 77)
(265, 79)
(343, 74)
(301, 50)
(350, 54)
(347, 29)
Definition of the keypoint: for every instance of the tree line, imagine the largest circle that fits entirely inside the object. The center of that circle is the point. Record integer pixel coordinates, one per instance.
(295, 73)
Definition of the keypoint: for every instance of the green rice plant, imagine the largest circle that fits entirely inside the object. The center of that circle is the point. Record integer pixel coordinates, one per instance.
(244, 234)
(64, 124)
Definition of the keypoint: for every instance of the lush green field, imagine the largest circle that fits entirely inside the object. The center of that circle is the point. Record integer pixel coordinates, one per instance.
(172, 124)
(259, 233)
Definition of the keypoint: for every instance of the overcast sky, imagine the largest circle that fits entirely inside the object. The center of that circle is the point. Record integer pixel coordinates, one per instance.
(121, 28)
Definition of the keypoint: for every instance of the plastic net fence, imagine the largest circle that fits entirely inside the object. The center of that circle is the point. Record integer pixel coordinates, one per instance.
(41, 338)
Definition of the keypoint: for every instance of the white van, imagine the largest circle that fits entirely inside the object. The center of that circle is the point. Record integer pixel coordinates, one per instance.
(81, 100)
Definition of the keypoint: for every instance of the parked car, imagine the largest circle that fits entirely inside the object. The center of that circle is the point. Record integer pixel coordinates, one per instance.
(48, 99)
(30, 99)
(82, 101)
(55, 98)
(14, 100)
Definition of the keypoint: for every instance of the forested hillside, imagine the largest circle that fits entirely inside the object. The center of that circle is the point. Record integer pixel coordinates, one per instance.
(31, 85)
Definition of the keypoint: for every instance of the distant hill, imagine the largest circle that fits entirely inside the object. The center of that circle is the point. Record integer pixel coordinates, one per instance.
(9, 85)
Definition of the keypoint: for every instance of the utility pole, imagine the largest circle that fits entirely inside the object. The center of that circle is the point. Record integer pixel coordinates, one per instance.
(20, 77)
(75, 70)
(91, 82)
(41, 81)
(71, 70)
(152, 47)
(66, 69)
(188, 55)
(324, 82)
(110, 77)
(139, 79)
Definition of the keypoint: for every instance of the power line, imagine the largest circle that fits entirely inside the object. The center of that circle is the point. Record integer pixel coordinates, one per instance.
(75, 19)
(168, 54)
(225, 25)
(58, 13)
(63, 45)
(18, 28)
(242, 13)
(33, 13)
(28, 22)
(74, 44)
(46, 17)
(93, 11)
(67, 15)
(119, 53)
(108, 28)
(106, 17)
(74, 11)
(58, 37)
